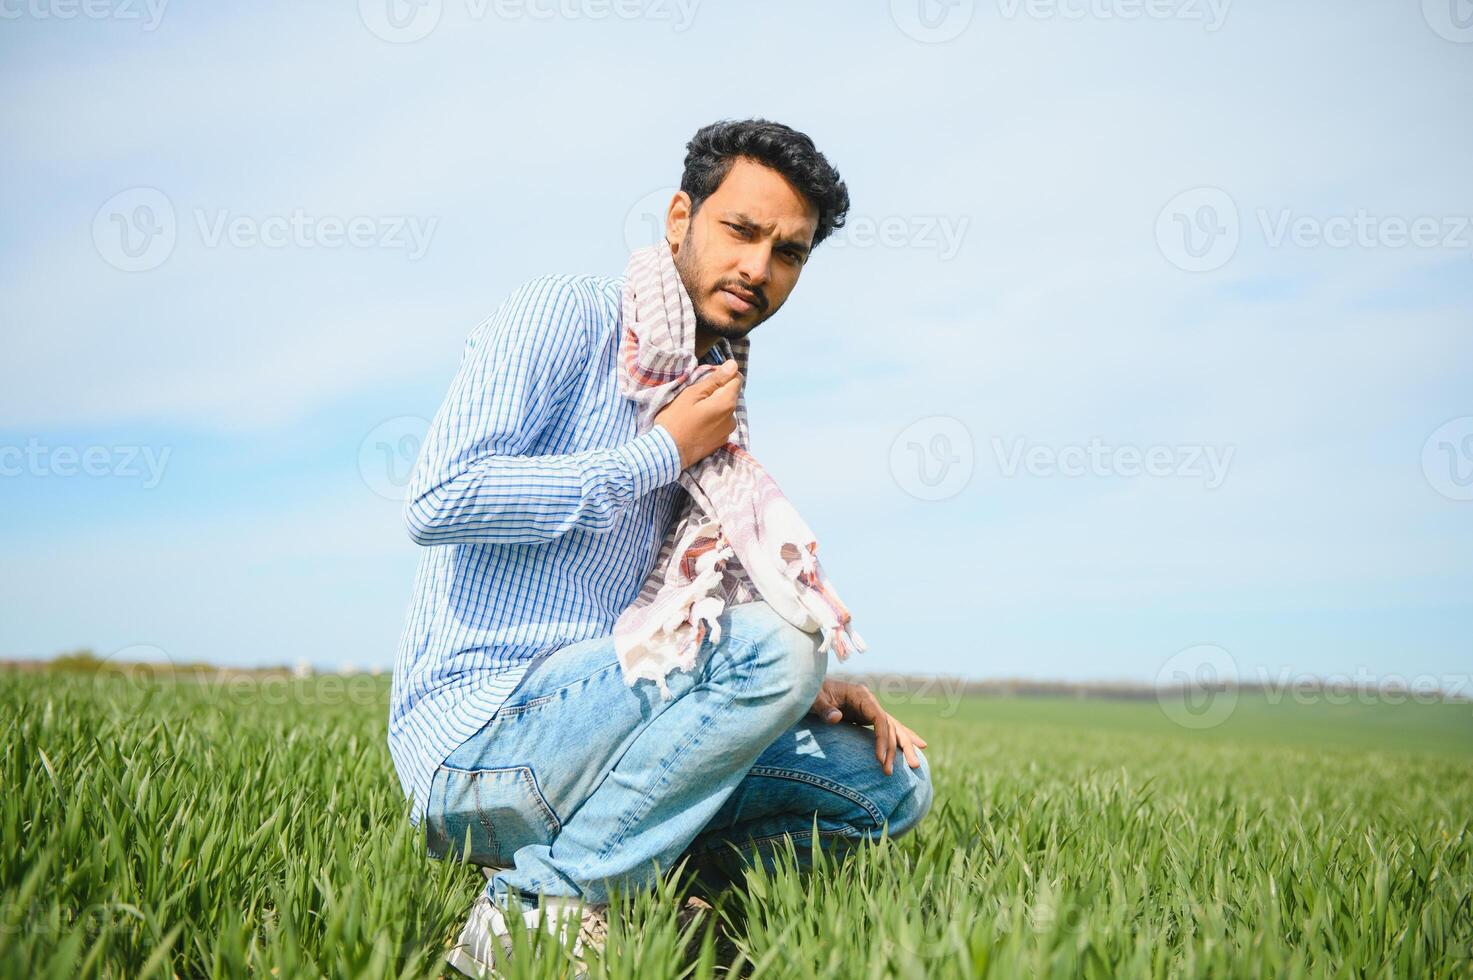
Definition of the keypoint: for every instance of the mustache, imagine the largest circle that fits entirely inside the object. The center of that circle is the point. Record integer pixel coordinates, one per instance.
(759, 299)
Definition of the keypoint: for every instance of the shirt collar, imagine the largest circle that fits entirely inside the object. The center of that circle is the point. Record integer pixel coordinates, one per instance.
(720, 351)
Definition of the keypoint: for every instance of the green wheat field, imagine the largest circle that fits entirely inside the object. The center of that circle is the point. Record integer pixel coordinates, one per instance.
(166, 827)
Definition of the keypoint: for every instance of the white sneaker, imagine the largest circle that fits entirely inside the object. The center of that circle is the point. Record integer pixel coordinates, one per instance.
(486, 937)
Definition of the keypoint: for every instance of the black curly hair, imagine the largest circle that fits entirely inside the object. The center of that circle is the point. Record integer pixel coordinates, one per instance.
(715, 148)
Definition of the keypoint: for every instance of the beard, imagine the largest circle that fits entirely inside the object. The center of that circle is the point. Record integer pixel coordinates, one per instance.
(687, 263)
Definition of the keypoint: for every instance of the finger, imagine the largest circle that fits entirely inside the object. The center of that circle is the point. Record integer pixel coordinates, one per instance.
(908, 747)
(825, 708)
(885, 739)
(919, 742)
(864, 705)
(713, 381)
(730, 390)
(885, 724)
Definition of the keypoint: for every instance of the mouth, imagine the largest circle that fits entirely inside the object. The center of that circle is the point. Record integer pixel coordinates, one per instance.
(738, 301)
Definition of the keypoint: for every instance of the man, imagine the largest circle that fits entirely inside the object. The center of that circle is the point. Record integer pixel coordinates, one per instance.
(543, 511)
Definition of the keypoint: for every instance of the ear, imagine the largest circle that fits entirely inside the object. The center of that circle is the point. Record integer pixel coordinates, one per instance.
(677, 220)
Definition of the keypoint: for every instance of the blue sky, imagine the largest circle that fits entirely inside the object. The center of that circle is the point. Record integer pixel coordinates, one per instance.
(1029, 271)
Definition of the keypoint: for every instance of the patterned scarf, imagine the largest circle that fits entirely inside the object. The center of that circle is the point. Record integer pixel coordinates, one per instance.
(736, 538)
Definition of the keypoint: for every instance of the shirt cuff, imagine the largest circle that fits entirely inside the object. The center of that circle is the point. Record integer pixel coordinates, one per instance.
(653, 459)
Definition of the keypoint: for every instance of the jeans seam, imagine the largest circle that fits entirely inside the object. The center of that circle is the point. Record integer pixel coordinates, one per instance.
(639, 811)
(536, 791)
(838, 789)
(511, 710)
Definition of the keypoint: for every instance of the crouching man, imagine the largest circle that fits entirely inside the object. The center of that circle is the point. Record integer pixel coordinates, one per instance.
(543, 508)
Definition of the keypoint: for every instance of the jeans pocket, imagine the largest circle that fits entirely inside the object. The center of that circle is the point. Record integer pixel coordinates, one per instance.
(497, 810)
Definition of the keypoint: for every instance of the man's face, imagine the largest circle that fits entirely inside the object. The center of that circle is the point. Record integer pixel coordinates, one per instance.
(740, 255)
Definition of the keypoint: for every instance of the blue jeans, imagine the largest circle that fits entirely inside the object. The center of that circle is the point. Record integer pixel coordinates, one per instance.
(581, 782)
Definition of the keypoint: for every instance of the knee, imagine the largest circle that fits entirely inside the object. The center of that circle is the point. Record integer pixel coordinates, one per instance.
(915, 801)
(788, 668)
(800, 667)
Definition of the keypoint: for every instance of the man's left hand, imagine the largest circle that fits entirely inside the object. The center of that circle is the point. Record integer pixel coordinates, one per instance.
(844, 701)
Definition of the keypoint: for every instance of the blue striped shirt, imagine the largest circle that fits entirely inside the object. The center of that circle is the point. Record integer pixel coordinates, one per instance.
(541, 508)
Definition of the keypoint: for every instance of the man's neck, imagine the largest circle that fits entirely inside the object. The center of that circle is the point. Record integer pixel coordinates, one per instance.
(704, 342)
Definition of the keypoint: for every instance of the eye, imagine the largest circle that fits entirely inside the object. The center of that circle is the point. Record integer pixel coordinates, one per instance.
(739, 229)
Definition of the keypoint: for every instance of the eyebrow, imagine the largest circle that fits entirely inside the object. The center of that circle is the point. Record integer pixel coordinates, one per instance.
(740, 218)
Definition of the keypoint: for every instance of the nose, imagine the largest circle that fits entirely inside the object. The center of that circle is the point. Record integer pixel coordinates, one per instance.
(756, 261)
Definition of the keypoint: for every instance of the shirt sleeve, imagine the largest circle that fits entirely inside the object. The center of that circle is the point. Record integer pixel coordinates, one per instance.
(474, 482)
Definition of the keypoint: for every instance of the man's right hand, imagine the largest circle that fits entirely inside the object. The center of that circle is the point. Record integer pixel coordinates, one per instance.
(703, 416)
